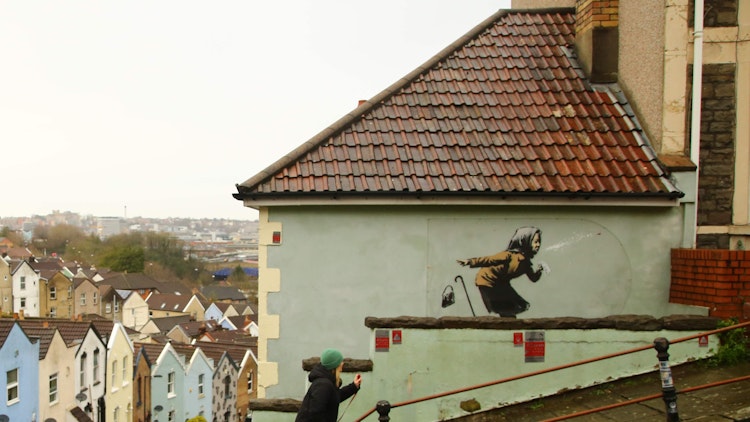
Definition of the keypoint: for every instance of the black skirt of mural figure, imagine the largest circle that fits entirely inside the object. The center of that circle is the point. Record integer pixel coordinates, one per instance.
(495, 273)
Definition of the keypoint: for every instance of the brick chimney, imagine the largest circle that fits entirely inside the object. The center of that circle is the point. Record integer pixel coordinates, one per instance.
(597, 38)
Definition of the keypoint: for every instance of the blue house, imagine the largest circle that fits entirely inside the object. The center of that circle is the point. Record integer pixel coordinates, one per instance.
(198, 391)
(167, 381)
(19, 373)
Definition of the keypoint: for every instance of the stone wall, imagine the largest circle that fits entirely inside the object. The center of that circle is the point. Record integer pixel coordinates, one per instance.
(716, 185)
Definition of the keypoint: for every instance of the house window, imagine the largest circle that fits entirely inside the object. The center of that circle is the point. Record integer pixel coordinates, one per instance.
(114, 373)
(171, 416)
(227, 390)
(117, 306)
(23, 282)
(23, 302)
(11, 383)
(94, 300)
(82, 372)
(108, 308)
(70, 292)
(200, 384)
(249, 381)
(96, 366)
(170, 383)
(53, 388)
(83, 299)
(53, 312)
(53, 293)
(116, 415)
(124, 370)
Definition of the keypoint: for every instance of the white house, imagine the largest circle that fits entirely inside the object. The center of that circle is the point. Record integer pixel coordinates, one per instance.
(26, 290)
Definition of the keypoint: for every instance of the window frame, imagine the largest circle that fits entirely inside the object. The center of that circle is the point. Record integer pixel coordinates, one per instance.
(54, 394)
(12, 386)
(171, 377)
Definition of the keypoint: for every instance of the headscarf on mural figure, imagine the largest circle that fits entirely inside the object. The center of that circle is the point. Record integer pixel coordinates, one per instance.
(496, 272)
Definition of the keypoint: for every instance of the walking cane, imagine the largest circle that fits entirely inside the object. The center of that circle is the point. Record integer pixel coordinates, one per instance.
(458, 277)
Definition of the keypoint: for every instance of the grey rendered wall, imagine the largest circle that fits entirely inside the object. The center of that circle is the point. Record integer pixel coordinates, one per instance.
(339, 265)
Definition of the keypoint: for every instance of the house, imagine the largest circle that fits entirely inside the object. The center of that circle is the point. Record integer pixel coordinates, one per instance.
(167, 383)
(141, 386)
(110, 303)
(86, 293)
(239, 364)
(161, 326)
(217, 311)
(6, 287)
(137, 282)
(90, 370)
(25, 289)
(188, 331)
(56, 371)
(225, 383)
(135, 312)
(119, 378)
(169, 304)
(56, 294)
(19, 372)
(198, 375)
(243, 323)
(223, 293)
(500, 147)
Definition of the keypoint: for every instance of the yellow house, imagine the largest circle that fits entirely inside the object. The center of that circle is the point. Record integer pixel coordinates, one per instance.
(55, 295)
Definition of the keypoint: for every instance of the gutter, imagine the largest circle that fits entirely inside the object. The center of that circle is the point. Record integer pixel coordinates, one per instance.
(695, 118)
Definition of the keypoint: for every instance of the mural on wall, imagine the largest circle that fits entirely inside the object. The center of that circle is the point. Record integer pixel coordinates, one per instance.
(585, 270)
(493, 279)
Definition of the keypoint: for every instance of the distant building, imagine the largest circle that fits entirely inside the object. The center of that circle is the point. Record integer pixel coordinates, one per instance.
(109, 226)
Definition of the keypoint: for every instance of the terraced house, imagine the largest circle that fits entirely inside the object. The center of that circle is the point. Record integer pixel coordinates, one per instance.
(93, 371)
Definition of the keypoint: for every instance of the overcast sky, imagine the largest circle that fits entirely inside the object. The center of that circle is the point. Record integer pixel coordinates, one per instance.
(157, 108)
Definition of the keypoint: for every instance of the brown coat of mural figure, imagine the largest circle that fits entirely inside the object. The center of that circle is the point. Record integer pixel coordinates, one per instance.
(496, 272)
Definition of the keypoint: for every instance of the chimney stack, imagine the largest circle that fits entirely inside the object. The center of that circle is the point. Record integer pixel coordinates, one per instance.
(597, 38)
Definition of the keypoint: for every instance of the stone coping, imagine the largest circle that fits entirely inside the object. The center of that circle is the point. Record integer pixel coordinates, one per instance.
(617, 322)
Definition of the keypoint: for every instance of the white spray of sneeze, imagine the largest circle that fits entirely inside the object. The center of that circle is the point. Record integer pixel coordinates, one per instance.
(564, 243)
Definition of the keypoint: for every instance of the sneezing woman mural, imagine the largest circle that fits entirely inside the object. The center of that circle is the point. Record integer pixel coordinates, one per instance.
(496, 272)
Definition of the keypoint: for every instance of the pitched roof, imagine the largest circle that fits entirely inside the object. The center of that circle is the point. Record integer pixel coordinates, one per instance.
(167, 302)
(165, 324)
(130, 281)
(44, 334)
(503, 111)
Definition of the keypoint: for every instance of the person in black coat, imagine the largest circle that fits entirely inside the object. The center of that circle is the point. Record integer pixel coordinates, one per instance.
(321, 402)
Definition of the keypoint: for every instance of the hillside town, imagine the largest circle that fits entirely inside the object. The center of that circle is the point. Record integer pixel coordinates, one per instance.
(81, 343)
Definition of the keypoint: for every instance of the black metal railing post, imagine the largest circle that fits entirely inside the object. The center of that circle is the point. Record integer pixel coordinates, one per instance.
(669, 393)
(383, 408)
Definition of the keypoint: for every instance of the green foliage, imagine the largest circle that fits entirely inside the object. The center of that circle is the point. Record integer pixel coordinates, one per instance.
(57, 238)
(125, 259)
(166, 256)
(733, 346)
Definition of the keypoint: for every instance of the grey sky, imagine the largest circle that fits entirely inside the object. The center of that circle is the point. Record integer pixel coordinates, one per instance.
(156, 108)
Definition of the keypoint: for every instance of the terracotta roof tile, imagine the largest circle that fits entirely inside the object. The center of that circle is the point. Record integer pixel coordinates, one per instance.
(504, 110)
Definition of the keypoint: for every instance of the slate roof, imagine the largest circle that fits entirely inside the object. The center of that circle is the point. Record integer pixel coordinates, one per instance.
(130, 281)
(503, 111)
(165, 324)
(217, 292)
(167, 302)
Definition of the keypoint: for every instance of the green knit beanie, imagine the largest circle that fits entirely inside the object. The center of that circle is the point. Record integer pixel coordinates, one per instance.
(331, 358)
